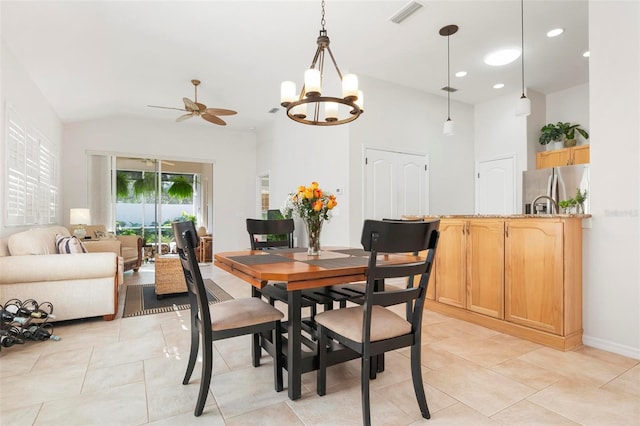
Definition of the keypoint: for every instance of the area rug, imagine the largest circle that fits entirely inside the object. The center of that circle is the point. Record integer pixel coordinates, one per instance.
(142, 300)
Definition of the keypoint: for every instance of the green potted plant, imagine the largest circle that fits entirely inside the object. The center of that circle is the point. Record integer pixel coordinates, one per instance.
(561, 132)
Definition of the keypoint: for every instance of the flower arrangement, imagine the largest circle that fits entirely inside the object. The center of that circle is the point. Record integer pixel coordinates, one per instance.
(314, 206)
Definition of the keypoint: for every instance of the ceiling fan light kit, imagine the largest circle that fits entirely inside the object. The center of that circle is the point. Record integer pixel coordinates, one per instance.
(312, 96)
(195, 108)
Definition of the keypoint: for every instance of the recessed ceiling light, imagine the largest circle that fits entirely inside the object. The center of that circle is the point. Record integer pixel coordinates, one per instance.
(555, 32)
(461, 73)
(498, 85)
(586, 54)
(502, 57)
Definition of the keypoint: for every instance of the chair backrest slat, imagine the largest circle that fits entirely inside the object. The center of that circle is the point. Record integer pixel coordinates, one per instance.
(270, 227)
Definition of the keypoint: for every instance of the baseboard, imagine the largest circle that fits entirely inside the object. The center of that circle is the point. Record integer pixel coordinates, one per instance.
(609, 346)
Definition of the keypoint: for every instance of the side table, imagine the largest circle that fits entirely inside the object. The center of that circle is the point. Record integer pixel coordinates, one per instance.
(169, 275)
(205, 249)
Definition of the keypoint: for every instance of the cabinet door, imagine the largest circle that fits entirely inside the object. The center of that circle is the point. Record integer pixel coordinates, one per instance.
(534, 288)
(485, 267)
(556, 158)
(450, 263)
(581, 154)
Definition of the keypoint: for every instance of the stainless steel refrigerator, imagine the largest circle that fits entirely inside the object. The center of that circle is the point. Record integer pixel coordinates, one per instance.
(559, 183)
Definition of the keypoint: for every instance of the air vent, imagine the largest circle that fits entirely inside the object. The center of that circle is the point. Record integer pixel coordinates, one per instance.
(408, 10)
(274, 110)
(449, 89)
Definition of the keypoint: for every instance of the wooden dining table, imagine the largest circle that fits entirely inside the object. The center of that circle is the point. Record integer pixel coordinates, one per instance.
(300, 271)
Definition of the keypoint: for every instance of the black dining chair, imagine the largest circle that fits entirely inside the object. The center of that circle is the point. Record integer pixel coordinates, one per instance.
(223, 320)
(371, 329)
(268, 234)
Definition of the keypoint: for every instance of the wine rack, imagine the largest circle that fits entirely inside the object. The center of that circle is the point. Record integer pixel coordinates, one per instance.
(25, 320)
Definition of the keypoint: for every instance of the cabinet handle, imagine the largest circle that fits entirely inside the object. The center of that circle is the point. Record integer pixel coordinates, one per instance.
(506, 230)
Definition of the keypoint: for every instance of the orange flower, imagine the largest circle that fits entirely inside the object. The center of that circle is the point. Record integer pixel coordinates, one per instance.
(308, 193)
(317, 193)
(314, 185)
(317, 206)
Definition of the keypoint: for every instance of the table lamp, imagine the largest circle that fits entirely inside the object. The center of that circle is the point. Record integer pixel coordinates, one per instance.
(79, 218)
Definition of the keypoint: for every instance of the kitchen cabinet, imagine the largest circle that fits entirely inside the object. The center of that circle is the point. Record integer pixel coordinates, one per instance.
(520, 275)
(534, 274)
(470, 265)
(563, 157)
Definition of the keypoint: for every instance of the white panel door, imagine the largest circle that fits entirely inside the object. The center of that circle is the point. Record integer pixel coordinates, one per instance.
(495, 186)
(396, 184)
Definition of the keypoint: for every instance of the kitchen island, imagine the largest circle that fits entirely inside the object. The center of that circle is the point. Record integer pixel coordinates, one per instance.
(518, 274)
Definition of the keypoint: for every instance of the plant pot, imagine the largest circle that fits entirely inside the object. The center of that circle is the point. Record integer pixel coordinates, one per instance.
(569, 143)
(557, 145)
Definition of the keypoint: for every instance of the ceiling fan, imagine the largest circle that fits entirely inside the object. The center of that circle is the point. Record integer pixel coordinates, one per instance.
(195, 108)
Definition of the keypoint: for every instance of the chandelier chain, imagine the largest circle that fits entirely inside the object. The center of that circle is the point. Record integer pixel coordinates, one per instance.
(322, 21)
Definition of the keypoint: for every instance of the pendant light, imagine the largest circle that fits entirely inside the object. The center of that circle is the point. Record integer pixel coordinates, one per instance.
(313, 95)
(524, 104)
(447, 31)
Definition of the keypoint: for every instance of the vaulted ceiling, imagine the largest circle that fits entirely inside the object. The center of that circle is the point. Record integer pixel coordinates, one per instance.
(98, 58)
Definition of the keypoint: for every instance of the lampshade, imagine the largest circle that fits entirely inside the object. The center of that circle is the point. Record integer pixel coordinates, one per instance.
(447, 129)
(79, 216)
(524, 106)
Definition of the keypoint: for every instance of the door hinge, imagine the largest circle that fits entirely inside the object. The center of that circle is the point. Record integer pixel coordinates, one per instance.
(425, 168)
(366, 160)
(478, 175)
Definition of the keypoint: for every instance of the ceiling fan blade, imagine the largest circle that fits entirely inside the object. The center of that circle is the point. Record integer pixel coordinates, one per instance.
(213, 119)
(201, 107)
(163, 107)
(184, 117)
(220, 111)
(189, 105)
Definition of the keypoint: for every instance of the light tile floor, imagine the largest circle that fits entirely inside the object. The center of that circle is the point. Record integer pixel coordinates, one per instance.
(129, 372)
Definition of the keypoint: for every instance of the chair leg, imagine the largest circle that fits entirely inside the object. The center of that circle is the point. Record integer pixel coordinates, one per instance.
(278, 359)
(321, 374)
(364, 382)
(193, 354)
(205, 381)
(418, 386)
(256, 350)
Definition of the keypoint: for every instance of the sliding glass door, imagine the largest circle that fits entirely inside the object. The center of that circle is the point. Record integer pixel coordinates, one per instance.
(142, 196)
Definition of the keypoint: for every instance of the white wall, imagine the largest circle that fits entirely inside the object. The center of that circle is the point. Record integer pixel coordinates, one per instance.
(295, 154)
(18, 90)
(570, 105)
(611, 282)
(233, 155)
(407, 120)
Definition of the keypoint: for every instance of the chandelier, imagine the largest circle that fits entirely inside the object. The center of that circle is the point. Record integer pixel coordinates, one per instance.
(311, 106)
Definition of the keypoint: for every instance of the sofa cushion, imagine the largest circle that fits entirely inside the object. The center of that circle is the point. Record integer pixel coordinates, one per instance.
(69, 245)
(35, 241)
(4, 247)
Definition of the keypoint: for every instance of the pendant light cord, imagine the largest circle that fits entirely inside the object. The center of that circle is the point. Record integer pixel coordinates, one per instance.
(522, 42)
(448, 81)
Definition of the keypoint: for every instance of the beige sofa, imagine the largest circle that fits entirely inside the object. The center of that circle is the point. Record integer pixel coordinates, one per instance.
(77, 285)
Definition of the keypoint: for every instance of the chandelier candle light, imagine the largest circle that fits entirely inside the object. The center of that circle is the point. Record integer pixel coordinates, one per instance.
(312, 96)
(314, 206)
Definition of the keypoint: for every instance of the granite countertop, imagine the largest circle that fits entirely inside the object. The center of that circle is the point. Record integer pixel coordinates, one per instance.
(502, 216)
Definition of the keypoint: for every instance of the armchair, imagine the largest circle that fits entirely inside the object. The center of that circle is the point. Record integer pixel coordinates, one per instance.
(130, 246)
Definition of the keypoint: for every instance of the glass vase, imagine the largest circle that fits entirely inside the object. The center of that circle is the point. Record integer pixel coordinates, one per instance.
(314, 227)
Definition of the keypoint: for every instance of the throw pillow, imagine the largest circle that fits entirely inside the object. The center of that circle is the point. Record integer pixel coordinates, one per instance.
(69, 245)
(104, 235)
